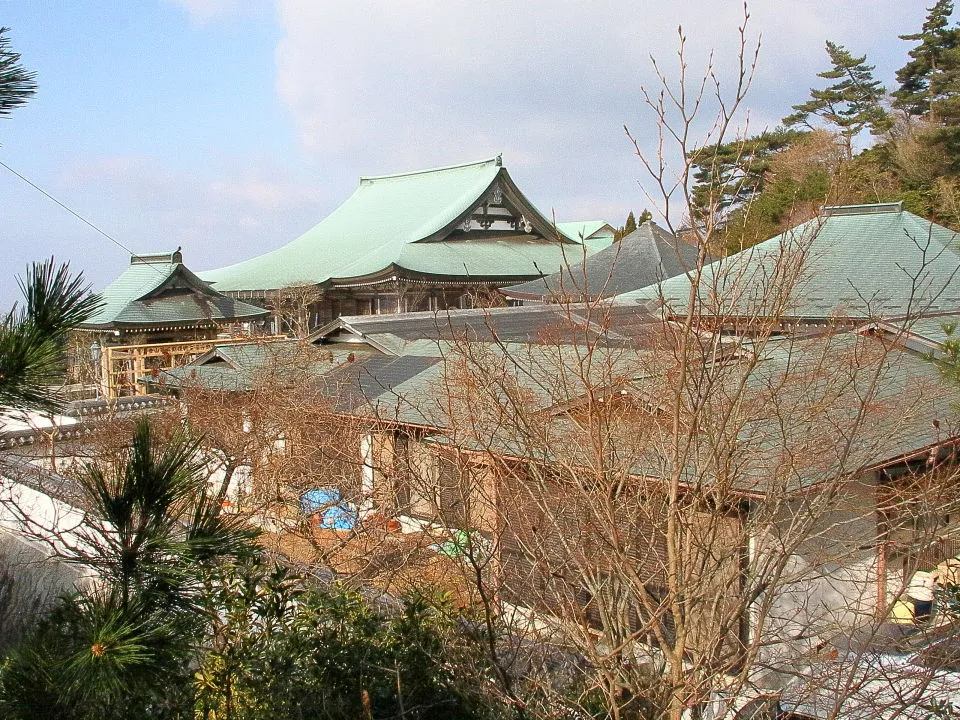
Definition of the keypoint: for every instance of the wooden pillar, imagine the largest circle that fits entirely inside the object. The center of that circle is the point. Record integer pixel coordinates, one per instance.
(105, 379)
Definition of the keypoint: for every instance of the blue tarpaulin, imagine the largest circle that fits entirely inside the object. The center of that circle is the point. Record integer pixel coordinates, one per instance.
(334, 514)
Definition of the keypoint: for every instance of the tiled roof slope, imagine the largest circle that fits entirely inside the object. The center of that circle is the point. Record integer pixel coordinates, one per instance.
(644, 257)
(859, 262)
(241, 367)
(926, 335)
(900, 399)
(374, 229)
(158, 290)
(803, 396)
(535, 324)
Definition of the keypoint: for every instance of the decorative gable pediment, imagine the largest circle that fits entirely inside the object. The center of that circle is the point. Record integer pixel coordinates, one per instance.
(496, 214)
(180, 282)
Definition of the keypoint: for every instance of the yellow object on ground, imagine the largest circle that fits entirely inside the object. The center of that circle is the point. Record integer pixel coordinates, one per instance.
(902, 612)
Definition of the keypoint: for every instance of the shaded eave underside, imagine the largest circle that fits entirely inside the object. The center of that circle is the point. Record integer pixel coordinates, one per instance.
(397, 273)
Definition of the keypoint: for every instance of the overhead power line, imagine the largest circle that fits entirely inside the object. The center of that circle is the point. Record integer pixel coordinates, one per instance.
(70, 210)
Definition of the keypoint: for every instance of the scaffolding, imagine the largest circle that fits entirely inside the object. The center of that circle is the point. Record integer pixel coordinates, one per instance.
(122, 365)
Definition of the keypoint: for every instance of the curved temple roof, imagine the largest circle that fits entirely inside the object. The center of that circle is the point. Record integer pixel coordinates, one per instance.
(159, 290)
(405, 222)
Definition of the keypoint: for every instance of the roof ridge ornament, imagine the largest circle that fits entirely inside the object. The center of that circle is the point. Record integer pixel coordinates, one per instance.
(166, 258)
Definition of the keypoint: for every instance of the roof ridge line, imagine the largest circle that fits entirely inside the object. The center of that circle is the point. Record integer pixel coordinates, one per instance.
(862, 209)
(169, 257)
(498, 160)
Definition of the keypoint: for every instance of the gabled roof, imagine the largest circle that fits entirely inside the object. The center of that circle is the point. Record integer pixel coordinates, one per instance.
(246, 354)
(396, 222)
(644, 257)
(857, 262)
(910, 405)
(241, 367)
(592, 232)
(158, 290)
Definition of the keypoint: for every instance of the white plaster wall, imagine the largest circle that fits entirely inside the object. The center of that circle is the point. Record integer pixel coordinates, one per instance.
(33, 581)
(367, 479)
(33, 514)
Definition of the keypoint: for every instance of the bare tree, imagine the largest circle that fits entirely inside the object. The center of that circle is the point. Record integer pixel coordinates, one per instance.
(295, 306)
(692, 507)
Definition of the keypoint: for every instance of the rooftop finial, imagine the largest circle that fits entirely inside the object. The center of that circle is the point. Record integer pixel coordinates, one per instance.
(500, 160)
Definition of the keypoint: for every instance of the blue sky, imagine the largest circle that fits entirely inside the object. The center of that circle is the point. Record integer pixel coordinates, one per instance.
(229, 127)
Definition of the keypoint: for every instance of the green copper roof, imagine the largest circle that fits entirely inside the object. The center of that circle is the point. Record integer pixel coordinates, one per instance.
(585, 230)
(378, 226)
(871, 261)
(241, 367)
(926, 335)
(158, 290)
(938, 330)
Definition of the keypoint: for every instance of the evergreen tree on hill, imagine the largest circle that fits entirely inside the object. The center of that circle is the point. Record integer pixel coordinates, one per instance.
(931, 75)
(851, 104)
(930, 85)
(730, 174)
(628, 227)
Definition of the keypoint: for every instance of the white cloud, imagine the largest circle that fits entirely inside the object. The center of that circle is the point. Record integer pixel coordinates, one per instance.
(241, 212)
(381, 87)
(203, 11)
(154, 184)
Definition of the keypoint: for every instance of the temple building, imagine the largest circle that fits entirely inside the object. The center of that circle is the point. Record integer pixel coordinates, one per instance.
(427, 240)
(158, 315)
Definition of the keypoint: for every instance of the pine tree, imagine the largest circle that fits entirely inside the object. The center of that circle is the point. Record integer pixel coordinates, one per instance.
(16, 83)
(931, 75)
(33, 336)
(645, 216)
(851, 104)
(728, 175)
